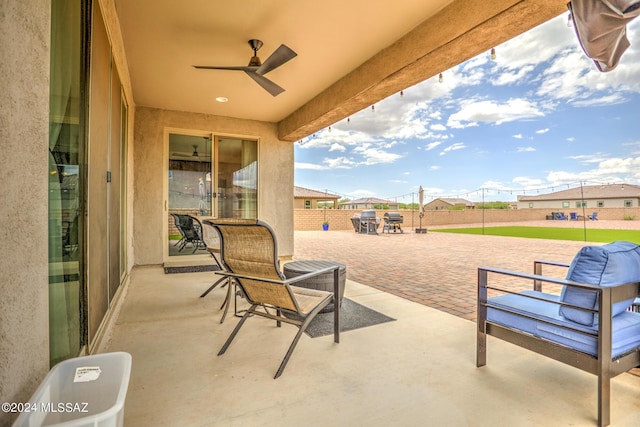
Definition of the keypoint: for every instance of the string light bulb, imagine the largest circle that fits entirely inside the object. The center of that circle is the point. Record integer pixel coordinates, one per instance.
(401, 94)
(373, 108)
(440, 79)
(493, 53)
(569, 20)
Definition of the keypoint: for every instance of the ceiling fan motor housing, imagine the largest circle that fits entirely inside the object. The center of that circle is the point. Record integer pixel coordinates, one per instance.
(255, 45)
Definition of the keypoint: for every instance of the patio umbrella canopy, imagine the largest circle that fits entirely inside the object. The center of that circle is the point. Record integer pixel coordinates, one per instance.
(601, 27)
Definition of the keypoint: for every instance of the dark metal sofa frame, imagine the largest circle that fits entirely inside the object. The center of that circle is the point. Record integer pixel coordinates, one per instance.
(604, 366)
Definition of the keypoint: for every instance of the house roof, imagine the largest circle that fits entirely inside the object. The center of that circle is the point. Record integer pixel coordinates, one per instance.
(590, 192)
(369, 201)
(453, 201)
(301, 192)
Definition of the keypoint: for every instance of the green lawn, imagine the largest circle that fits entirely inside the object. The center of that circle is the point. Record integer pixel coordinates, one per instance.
(577, 234)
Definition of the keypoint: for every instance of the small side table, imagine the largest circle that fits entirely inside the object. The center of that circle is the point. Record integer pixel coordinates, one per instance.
(323, 282)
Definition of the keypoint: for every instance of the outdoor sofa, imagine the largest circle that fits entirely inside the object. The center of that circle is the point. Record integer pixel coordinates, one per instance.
(588, 325)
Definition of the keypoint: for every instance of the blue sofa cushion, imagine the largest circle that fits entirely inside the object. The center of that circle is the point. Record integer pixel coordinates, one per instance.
(544, 321)
(607, 265)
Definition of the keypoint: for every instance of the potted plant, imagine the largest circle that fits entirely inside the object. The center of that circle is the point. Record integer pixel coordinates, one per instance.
(325, 225)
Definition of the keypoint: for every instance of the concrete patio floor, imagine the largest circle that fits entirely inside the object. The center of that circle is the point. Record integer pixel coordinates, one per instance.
(418, 370)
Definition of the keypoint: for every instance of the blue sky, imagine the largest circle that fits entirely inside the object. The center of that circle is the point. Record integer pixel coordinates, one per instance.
(538, 118)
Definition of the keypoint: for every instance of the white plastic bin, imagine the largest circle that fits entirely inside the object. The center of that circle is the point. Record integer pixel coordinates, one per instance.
(79, 392)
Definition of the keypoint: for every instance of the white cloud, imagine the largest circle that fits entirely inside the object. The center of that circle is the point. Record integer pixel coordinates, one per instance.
(518, 136)
(607, 170)
(432, 145)
(374, 156)
(614, 98)
(337, 147)
(340, 163)
(494, 112)
(512, 76)
(589, 158)
(541, 131)
(453, 147)
(434, 167)
(438, 127)
(525, 149)
(310, 166)
(496, 185)
(527, 182)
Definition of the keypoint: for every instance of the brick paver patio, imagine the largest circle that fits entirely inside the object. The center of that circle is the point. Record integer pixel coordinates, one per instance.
(438, 270)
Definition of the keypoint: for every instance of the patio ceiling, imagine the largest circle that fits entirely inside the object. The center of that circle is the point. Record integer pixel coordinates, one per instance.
(350, 54)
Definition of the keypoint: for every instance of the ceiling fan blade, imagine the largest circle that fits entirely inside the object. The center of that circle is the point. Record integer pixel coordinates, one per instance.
(281, 55)
(214, 67)
(266, 84)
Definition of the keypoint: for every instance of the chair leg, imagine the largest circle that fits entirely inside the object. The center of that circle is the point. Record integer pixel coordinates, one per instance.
(227, 300)
(236, 329)
(303, 327)
(337, 305)
(212, 287)
(604, 398)
(481, 332)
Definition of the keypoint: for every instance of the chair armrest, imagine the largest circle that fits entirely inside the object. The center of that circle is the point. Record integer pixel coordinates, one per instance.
(534, 277)
(616, 292)
(554, 263)
(280, 282)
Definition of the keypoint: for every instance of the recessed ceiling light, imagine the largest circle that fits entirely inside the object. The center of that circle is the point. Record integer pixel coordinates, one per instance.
(222, 99)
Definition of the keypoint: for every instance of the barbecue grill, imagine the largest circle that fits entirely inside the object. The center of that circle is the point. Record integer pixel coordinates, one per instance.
(368, 222)
(392, 221)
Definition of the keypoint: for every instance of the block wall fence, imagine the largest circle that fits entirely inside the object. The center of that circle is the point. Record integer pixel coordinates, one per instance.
(340, 219)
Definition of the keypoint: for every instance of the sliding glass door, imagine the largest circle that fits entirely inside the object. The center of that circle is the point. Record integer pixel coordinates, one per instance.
(67, 324)
(207, 177)
(190, 188)
(237, 178)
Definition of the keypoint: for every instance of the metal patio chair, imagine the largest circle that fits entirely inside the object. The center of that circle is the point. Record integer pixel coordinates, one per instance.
(191, 231)
(249, 255)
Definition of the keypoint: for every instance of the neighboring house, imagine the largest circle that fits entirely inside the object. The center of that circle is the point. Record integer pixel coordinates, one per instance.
(444, 203)
(589, 196)
(370, 203)
(305, 198)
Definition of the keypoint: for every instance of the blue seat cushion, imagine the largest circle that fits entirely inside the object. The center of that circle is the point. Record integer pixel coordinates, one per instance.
(607, 265)
(625, 327)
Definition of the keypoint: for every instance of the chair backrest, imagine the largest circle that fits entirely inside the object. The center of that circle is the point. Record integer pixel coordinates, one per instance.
(177, 223)
(190, 227)
(249, 247)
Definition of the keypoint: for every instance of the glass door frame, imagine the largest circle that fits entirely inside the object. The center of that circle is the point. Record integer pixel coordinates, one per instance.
(165, 190)
(214, 138)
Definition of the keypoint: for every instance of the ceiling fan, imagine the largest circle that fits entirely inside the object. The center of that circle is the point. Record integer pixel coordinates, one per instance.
(257, 69)
(193, 156)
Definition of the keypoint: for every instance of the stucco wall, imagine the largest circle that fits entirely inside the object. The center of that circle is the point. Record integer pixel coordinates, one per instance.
(24, 137)
(275, 175)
